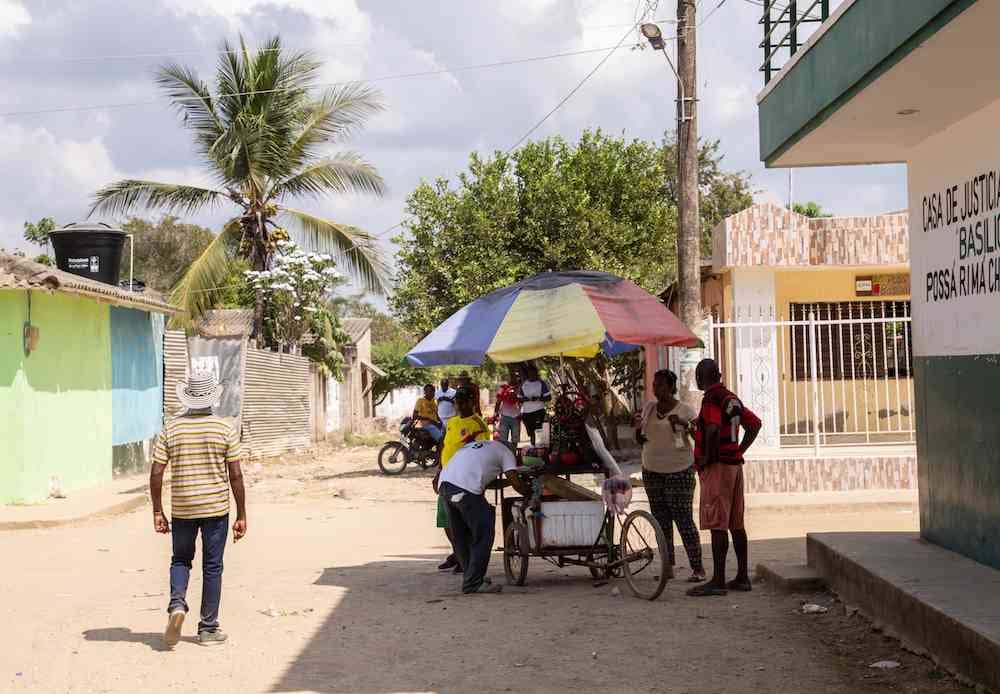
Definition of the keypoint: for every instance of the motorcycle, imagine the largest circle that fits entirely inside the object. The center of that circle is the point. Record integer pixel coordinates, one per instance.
(417, 446)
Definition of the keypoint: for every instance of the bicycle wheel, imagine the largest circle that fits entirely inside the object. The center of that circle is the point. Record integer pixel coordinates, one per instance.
(515, 554)
(393, 458)
(644, 555)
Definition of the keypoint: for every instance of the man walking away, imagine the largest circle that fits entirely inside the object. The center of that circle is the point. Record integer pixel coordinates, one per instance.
(465, 427)
(719, 459)
(465, 381)
(445, 396)
(533, 395)
(472, 517)
(204, 454)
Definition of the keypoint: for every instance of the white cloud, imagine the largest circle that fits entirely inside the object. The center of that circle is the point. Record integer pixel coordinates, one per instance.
(13, 16)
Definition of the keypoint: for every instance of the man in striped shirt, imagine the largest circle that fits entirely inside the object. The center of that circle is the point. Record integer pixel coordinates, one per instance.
(203, 452)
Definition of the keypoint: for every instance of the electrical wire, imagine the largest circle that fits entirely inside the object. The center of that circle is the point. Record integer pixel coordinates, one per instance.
(572, 91)
(384, 78)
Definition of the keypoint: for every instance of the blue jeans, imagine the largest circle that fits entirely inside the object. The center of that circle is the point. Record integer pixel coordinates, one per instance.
(213, 543)
(510, 429)
(472, 521)
(434, 430)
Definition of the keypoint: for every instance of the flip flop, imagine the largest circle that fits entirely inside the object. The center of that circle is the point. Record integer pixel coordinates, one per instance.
(707, 590)
(696, 578)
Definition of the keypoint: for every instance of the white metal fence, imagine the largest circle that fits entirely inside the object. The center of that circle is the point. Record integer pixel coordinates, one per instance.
(828, 374)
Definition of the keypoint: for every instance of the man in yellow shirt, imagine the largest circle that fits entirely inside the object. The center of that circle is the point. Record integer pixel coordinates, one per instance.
(465, 427)
(425, 414)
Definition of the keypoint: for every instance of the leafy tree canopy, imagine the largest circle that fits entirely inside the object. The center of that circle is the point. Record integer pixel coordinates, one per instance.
(38, 232)
(810, 209)
(164, 250)
(603, 203)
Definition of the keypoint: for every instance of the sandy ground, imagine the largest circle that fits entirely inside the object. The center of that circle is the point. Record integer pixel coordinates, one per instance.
(335, 590)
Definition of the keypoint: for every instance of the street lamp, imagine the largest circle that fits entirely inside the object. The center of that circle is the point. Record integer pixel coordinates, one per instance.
(655, 36)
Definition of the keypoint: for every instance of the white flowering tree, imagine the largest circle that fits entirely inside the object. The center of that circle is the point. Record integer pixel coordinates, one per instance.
(296, 292)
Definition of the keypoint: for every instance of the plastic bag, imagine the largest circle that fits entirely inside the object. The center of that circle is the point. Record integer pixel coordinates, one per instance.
(617, 494)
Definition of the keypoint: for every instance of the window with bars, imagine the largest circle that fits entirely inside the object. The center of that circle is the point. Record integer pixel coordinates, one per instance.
(855, 340)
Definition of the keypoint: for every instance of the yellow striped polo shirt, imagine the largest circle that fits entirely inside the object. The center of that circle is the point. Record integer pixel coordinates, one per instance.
(197, 447)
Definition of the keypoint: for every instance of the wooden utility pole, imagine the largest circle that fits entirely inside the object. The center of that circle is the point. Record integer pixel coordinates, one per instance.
(689, 219)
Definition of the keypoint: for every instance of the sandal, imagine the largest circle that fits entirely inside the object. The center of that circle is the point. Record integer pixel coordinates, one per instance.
(740, 584)
(707, 590)
(696, 578)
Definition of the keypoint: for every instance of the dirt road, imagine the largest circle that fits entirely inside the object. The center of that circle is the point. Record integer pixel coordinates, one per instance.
(335, 590)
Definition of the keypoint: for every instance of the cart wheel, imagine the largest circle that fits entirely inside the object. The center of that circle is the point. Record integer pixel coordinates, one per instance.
(598, 574)
(515, 554)
(643, 549)
(393, 458)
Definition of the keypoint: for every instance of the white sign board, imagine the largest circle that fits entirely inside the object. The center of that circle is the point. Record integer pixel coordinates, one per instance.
(954, 186)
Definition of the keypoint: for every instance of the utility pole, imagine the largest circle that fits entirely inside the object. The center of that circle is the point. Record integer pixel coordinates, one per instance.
(689, 218)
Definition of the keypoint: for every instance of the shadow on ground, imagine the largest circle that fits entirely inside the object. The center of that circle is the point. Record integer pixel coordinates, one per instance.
(124, 635)
(403, 626)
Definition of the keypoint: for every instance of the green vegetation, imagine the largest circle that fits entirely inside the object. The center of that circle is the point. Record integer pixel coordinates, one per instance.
(810, 209)
(264, 136)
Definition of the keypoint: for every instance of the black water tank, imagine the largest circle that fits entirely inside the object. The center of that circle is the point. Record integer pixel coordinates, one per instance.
(90, 250)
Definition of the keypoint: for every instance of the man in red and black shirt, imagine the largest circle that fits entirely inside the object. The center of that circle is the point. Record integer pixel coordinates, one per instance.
(719, 460)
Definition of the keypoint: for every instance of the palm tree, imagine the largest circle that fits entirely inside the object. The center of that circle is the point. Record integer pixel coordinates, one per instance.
(264, 138)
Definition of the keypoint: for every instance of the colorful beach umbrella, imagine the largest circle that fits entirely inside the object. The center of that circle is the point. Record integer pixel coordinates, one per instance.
(573, 314)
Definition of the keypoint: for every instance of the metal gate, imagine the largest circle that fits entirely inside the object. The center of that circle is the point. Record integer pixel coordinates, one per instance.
(830, 374)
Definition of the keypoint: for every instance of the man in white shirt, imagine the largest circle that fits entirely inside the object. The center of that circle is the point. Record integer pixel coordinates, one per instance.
(462, 487)
(445, 397)
(533, 395)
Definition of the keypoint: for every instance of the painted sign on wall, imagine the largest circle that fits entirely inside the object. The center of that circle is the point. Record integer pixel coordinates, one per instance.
(954, 183)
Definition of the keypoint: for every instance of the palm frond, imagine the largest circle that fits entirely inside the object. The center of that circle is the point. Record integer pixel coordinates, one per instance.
(124, 196)
(345, 172)
(356, 250)
(201, 285)
(337, 115)
(193, 100)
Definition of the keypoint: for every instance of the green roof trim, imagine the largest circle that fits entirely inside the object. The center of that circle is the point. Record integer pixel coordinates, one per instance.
(866, 41)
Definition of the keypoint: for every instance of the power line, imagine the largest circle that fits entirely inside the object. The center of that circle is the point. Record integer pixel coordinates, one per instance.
(574, 90)
(384, 78)
(164, 54)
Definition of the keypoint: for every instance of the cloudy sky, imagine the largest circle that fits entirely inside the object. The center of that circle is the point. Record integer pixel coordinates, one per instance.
(102, 54)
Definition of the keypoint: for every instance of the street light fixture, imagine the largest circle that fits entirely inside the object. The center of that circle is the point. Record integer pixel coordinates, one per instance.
(655, 36)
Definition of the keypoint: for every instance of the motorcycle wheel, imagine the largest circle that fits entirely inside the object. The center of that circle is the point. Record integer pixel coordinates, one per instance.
(393, 458)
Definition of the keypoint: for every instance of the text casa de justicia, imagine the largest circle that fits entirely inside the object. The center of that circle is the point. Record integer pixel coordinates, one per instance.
(976, 271)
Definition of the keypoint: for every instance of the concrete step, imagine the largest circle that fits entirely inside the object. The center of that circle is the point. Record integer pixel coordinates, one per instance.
(791, 578)
(931, 598)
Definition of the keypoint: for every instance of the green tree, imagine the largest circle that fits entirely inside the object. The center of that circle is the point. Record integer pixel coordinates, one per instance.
(810, 209)
(164, 250)
(389, 357)
(38, 234)
(264, 137)
(603, 203)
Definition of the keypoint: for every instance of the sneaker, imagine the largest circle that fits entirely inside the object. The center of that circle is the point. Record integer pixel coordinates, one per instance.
(487, 588)
(209, 638)
(457, 569)
(449, 563)
(173, 632)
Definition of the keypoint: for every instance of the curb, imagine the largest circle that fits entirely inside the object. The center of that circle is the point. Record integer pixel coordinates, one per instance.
(118, 509)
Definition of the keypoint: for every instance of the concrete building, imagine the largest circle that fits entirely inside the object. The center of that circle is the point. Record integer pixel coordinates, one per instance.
(910, 81)
(81, 378)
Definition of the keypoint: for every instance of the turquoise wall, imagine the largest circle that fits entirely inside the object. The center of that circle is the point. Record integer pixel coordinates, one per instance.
(55, 405)
(136, 375)
(958, 453)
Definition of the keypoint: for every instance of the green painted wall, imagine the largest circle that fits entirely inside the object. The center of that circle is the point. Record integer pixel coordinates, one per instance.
(55, 405)
(958, 453)
(870, 37)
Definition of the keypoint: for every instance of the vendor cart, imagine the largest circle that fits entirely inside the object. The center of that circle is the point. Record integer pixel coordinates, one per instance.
(634, 547)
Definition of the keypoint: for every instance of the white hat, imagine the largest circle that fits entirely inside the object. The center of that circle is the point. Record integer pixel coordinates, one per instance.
(200, 392)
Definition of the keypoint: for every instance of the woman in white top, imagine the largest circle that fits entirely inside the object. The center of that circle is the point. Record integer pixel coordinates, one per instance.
(667, 467)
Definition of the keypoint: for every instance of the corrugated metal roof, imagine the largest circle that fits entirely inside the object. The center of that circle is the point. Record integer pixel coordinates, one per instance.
(21, 273)
(356, 328)
(229, 322)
